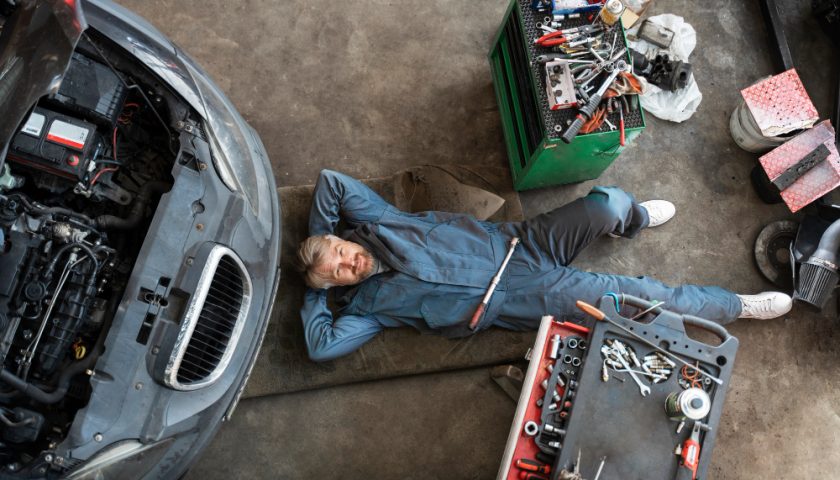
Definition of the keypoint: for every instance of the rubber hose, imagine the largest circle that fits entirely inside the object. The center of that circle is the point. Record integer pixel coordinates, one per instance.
(53, 210)
(829, 243)
(138, 209)
(39, 395)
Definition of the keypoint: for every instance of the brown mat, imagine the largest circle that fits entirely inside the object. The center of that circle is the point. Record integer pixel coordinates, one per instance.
(283, 365)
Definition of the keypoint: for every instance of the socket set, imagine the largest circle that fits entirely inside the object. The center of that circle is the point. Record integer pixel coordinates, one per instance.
(546, 401)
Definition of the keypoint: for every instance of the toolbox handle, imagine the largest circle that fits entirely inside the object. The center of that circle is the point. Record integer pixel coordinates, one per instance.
(698, 322)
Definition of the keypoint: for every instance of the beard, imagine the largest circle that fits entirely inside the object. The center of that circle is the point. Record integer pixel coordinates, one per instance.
(372, 265)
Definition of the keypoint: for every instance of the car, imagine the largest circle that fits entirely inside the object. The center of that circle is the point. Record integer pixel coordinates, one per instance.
(139, 246)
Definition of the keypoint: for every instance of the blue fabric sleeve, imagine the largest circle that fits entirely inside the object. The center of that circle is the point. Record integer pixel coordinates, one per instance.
(327, 339)
(338, 196)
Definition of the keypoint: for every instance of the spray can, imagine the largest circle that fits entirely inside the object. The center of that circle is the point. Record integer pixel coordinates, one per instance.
(612, 11)
(692, 404)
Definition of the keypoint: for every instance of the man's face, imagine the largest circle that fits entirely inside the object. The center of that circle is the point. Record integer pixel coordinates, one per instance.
(345, 263)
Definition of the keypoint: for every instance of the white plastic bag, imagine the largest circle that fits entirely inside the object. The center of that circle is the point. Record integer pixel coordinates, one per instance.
(675, 106)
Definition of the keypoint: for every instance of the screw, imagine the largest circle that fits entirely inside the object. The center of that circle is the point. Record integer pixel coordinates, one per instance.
(199, 227)
(189, 261)
(202, 166)
(138, 386)
(155, 350)
(59, 460)
(98, 437)
(48, 458)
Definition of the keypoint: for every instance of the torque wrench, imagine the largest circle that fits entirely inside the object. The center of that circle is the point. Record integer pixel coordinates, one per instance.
(493, 284)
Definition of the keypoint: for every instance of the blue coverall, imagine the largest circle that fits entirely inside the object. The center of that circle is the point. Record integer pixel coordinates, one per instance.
(442, 263)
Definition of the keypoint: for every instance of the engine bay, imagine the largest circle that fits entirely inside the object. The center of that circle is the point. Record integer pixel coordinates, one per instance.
(78, 189)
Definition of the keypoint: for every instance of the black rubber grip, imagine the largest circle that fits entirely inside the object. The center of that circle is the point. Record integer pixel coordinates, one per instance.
(698, 322)
(684, 473)
(573, 129)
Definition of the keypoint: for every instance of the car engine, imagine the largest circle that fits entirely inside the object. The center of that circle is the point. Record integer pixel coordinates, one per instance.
(78, 188)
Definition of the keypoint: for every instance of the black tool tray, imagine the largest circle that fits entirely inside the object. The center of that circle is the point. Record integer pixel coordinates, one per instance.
(611, 419)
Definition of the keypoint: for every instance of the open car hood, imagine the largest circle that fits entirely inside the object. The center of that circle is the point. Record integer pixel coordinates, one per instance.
(36, 44)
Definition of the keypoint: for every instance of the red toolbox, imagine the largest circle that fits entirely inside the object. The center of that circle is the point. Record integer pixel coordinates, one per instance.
(519, 444)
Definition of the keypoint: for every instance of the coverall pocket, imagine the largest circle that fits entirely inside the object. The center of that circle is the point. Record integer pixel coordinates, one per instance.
(443, 312)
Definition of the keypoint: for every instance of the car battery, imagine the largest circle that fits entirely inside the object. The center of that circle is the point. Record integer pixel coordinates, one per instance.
(90, 90)
(54, 143)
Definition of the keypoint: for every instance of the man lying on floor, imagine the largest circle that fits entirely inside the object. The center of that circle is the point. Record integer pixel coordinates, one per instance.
(430, 270)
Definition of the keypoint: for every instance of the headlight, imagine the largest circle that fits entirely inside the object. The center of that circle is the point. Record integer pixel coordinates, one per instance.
(124, 460)
(234, 149)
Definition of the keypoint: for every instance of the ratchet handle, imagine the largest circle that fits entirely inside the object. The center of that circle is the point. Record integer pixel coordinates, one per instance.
(573, 129)
(584, 115)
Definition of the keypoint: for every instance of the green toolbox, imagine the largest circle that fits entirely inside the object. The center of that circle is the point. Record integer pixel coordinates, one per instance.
(532, 130)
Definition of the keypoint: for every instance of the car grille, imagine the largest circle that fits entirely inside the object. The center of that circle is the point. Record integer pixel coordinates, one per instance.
(212, 324)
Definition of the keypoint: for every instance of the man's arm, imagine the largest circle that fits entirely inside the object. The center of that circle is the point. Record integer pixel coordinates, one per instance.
(340, 196)
(325, 339)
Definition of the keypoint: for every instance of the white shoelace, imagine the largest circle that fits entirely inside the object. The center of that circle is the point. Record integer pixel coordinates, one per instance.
(753, 307)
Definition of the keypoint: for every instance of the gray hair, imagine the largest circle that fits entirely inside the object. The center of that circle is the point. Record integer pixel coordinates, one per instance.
(310, 254)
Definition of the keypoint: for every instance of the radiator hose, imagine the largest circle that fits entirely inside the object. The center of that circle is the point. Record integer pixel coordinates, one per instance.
(138, 208)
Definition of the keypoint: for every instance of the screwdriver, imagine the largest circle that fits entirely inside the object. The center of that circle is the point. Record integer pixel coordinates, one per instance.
(531, 476)
(622, 139)
(532, 466)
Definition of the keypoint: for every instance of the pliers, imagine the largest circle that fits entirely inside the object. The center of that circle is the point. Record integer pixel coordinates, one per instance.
(552, 39)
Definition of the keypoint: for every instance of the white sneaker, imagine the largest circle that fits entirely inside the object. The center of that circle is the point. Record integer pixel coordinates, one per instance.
(765, 305)
(659, 211)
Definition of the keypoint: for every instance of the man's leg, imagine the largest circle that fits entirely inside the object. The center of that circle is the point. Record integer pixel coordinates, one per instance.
(563, 232)
(709, 302)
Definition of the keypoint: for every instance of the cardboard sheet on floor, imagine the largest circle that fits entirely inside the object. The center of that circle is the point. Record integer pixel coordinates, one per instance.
(283, 365)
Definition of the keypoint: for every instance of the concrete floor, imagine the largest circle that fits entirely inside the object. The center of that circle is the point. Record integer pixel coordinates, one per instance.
(372, 86)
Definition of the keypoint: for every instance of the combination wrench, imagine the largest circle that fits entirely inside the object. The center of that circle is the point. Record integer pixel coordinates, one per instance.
(643, 389)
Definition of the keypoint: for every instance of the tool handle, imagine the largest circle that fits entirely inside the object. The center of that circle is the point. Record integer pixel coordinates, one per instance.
(684, 473)
(531, 476)
(477, 315)
(622, 139)
(573, 129)
(532, 466)
(590, 310)
(698, 322)
(707, 325)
